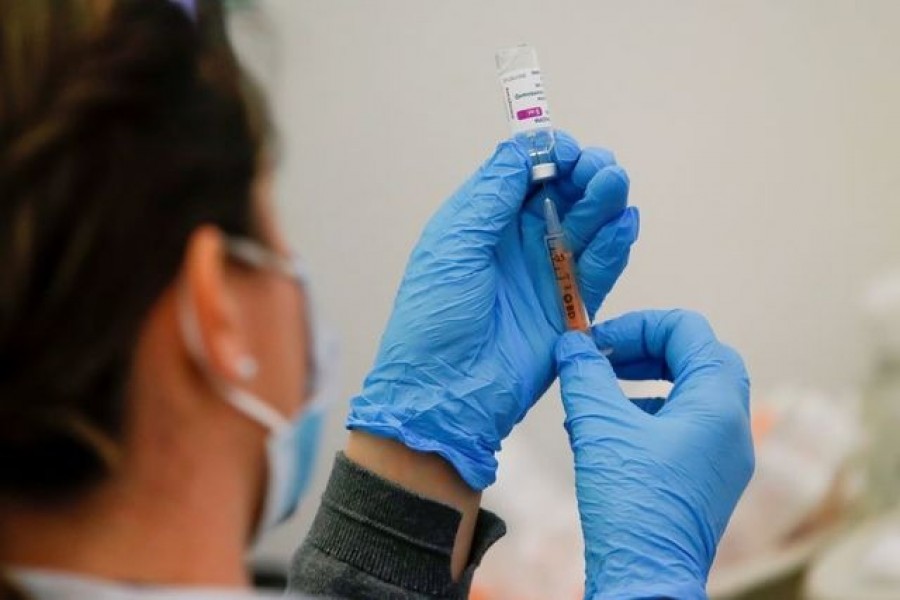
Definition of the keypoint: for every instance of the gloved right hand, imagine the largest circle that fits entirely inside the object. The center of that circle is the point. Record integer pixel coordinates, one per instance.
(657, 480)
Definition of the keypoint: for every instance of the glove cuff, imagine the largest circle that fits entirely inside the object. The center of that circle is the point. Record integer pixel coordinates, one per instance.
(475, 464)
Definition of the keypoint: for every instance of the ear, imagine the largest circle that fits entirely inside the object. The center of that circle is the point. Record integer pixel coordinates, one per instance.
(210, 297)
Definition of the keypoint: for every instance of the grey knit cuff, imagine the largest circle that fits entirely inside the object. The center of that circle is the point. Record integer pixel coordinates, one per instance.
(377, 527)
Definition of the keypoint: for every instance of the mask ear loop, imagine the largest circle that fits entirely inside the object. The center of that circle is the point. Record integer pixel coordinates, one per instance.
(245, 402)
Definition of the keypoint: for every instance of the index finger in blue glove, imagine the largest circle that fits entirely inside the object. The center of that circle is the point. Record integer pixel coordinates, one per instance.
(590, 391)
(676, 345)
(576, 169)
(576, 165)
(603, 261)
(604, 199)
(567, 154)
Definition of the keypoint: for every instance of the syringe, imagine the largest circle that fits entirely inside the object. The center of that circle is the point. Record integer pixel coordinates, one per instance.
(529, 118)
(573, 310)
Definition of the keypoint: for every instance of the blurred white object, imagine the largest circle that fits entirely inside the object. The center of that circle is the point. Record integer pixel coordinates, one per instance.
(805, 441)
(542, 553)
(881, 407)
(864, 565)
(882, 561)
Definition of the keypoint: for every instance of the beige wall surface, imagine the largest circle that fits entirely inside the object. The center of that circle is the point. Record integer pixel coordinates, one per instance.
(762, 138)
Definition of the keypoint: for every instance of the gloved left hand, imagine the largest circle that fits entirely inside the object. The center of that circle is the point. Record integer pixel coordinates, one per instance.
(469, 346)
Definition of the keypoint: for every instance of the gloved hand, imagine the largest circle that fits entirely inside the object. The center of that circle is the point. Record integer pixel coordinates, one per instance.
(657, 480)
(469, 346)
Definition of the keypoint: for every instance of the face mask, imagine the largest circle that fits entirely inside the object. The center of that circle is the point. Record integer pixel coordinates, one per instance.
(291, 445)
(291, 451)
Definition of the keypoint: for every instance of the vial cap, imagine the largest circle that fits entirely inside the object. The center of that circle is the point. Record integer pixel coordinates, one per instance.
(543, 171)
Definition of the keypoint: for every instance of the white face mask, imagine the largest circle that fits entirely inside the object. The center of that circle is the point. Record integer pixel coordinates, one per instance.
(291, 444)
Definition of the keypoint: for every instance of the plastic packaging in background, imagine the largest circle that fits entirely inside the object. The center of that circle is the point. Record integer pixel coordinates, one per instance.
(527, 109)
(806, 443)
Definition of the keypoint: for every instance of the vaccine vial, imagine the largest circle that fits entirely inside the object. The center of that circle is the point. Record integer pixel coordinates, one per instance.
(526, 107)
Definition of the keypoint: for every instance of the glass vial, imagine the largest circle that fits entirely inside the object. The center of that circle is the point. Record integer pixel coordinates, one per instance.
(527, 110)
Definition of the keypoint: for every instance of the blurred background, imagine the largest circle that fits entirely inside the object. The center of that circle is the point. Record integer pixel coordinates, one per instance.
(761, 138)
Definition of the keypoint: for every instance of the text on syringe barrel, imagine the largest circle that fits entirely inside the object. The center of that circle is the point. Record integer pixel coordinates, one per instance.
(573, 311)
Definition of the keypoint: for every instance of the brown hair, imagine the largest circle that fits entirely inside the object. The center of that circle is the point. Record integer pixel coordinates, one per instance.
(124, 125)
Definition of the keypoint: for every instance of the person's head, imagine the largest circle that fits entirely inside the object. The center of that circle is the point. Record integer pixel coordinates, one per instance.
(132, 152)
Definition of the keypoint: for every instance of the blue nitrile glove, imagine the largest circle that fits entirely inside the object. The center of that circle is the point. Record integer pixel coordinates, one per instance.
(469, 346)
(656, 479)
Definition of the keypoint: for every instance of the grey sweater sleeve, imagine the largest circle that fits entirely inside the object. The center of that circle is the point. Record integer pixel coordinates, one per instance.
(374, 539)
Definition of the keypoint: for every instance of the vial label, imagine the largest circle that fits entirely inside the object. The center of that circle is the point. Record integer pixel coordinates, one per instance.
(526, 102)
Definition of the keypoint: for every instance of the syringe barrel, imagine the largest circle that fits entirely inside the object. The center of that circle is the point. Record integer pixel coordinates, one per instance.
(527, 109)
(571, 303)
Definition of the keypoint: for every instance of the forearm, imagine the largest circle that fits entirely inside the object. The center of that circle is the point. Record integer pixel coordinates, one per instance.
(427, 475)
(372, 538)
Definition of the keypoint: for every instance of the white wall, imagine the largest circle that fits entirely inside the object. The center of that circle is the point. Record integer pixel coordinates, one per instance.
(761, 137)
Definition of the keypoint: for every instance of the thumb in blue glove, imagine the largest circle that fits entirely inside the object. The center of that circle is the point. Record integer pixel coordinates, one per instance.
(657, 480)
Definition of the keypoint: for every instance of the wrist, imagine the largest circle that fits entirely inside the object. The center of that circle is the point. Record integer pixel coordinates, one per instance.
(425, 474)
(430, 420)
